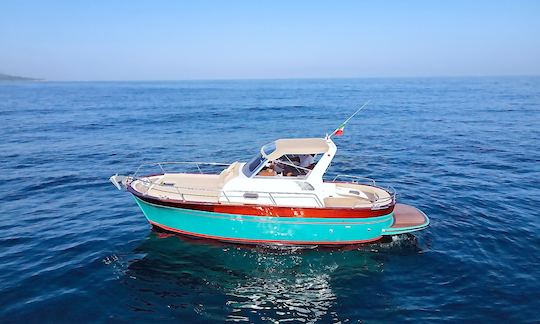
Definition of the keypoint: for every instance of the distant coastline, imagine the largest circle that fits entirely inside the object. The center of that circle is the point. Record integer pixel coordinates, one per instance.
(7, 77)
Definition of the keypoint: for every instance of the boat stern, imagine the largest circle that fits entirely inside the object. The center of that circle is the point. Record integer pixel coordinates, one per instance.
(406, 219)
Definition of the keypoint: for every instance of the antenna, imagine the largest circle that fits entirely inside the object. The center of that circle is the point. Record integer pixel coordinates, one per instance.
(339, 130)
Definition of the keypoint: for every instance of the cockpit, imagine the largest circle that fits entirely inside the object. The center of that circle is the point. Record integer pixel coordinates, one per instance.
(286, 157)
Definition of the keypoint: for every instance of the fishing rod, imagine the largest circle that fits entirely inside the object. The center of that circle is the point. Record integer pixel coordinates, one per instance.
(339, 131)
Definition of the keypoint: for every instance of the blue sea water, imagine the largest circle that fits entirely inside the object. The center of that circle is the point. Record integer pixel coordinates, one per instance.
(464, 150)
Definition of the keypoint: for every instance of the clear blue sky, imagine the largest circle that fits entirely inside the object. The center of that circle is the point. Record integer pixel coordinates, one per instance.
(171, 40)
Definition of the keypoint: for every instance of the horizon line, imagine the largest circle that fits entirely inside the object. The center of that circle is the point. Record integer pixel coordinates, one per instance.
(40, 79)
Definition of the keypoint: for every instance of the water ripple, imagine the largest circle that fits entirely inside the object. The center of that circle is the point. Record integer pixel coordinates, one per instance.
(464, 150)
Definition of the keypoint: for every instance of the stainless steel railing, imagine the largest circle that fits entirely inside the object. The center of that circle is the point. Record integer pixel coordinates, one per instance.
(380, 202)
(355, 179)
(229, 195)
(162, 164)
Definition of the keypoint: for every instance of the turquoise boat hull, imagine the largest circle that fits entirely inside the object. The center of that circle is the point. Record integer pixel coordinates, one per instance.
(261, 229)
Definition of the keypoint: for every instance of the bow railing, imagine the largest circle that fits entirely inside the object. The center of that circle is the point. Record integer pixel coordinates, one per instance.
(195, 166)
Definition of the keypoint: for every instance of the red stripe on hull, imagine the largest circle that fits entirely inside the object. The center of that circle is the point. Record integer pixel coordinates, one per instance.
(268, 211)
(250, 241)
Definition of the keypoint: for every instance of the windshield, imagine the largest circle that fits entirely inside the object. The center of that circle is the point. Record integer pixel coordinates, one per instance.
(253, 165)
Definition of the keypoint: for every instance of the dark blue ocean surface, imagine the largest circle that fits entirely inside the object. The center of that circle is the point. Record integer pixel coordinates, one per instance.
(464, 150)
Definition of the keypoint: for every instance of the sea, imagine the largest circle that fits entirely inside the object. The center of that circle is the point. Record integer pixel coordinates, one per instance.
(466, 151)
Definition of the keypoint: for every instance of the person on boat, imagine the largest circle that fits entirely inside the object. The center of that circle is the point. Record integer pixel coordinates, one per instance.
(267, 172)
(302, 161)
(276, 166)
(307, 160)
(287, 163)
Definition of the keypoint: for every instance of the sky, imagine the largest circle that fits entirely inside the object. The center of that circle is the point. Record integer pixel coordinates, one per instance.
(200, 39)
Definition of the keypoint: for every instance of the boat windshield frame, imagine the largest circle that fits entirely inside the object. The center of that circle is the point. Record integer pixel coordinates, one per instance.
(268, 149)
(256, 163)
(253, 166)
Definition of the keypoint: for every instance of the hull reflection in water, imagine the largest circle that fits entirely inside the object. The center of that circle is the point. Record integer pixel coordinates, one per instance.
(209, 281)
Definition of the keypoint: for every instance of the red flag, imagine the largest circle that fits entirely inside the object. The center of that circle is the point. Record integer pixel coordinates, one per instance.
(339, 131)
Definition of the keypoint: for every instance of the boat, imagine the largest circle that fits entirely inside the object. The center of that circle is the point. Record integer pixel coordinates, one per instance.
(280, 196)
